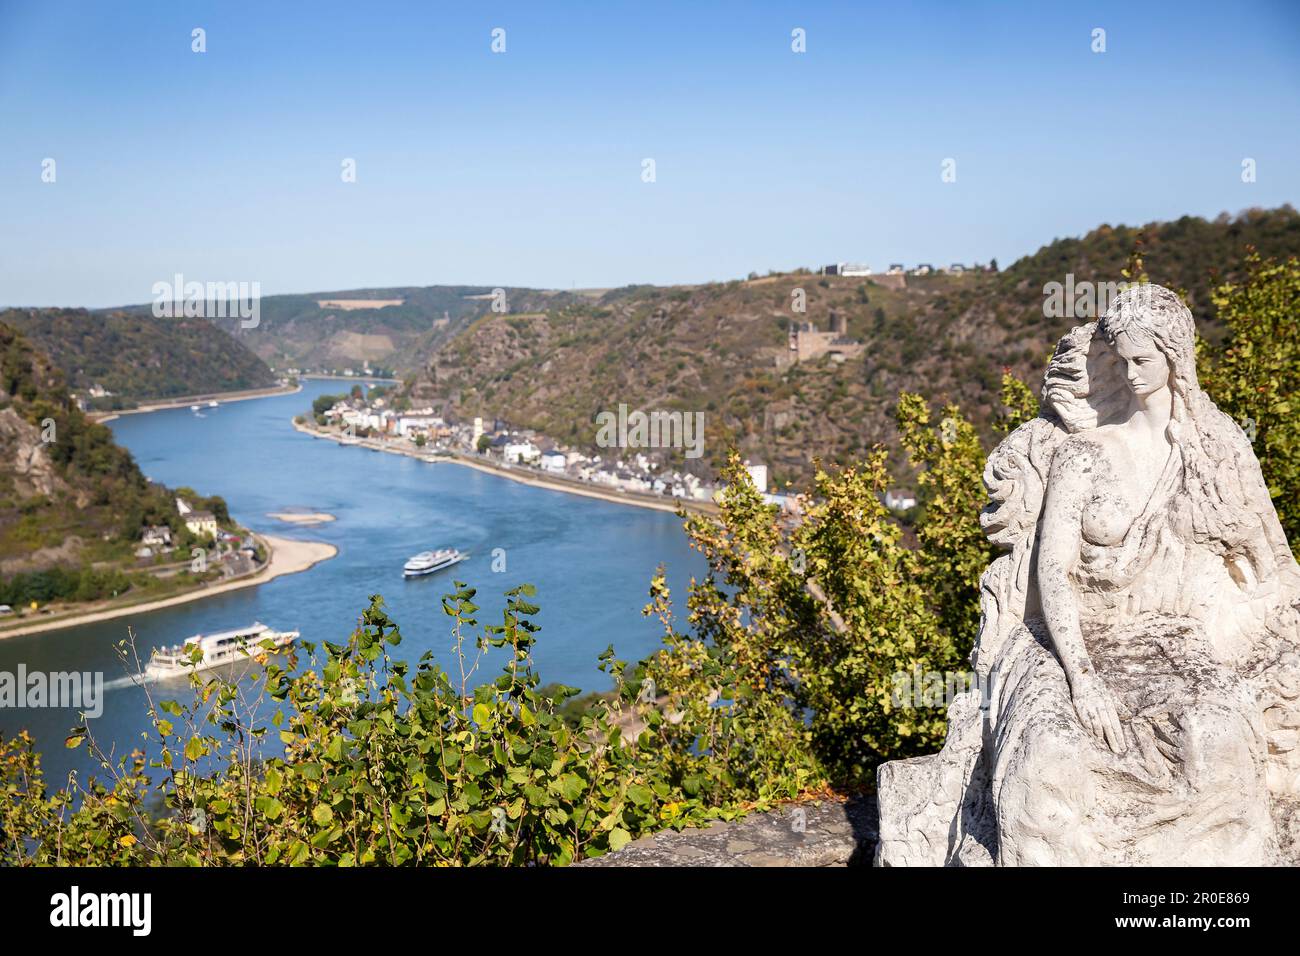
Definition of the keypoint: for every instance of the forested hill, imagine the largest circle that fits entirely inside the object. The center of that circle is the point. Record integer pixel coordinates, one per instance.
(392, 328)
(68, 492)
(716, 348)
(137, 356)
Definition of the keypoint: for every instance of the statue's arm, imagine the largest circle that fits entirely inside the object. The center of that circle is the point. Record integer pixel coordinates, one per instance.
(1068, 485)
(1059, 544)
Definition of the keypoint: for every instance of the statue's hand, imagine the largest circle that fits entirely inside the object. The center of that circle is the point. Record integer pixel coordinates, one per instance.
(1095, 705)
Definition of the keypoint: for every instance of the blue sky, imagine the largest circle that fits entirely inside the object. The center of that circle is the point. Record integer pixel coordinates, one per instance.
(525, 168)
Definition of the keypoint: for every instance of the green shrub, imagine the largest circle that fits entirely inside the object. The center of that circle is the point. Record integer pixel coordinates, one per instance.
(381, 763)
(1255, 376)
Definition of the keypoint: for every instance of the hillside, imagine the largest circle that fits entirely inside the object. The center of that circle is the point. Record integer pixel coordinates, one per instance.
(297, 331)
(716, 348)
(78, 483)
(136, 356)
(73, 503)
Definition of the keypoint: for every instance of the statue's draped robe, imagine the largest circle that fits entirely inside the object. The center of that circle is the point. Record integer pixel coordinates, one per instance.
(1197, 650)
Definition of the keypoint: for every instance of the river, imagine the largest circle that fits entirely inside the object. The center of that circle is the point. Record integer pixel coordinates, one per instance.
(591, 560)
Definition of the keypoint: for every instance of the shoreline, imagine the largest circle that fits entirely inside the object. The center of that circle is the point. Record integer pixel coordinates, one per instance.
(349, 378)
(186, 401)
(288, 556)
(655, 502)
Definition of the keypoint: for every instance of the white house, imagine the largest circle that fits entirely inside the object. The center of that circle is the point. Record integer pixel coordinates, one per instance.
(524, 452)
(201, 523)
(554, 461)
(899, 502)
(157, 536)
(410, 424)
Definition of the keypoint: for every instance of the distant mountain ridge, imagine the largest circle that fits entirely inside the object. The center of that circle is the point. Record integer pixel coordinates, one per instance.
(334, 330)
(137, 356)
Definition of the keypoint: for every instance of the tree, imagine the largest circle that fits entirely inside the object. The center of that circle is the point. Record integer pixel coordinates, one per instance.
(823, 621)
(1255, 376)
(953, 551)
(1019, 404)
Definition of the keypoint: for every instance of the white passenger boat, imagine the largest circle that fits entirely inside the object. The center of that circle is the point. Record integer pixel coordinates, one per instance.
(427, 562)
(223, 647)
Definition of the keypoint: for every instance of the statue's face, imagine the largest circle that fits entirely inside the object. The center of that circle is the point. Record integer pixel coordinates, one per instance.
(1145, 366)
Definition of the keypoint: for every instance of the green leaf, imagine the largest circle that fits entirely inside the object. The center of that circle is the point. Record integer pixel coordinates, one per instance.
(335, 749)
(571, 786)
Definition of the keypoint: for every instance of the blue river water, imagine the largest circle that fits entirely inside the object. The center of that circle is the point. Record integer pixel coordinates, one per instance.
(590, 560)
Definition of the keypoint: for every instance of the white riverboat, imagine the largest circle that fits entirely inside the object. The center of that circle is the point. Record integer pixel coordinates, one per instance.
(223, 647)
(427, 562)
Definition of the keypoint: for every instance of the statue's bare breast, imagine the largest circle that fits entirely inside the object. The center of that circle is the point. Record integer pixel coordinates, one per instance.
(1122, 484)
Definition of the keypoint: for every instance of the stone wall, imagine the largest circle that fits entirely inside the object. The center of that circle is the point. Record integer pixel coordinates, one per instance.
(821, 833)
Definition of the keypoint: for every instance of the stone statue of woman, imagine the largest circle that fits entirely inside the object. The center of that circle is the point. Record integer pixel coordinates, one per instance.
(1137, 676)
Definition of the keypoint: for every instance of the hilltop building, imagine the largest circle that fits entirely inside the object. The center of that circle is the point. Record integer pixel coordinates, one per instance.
(808, 343)
(846, 269)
